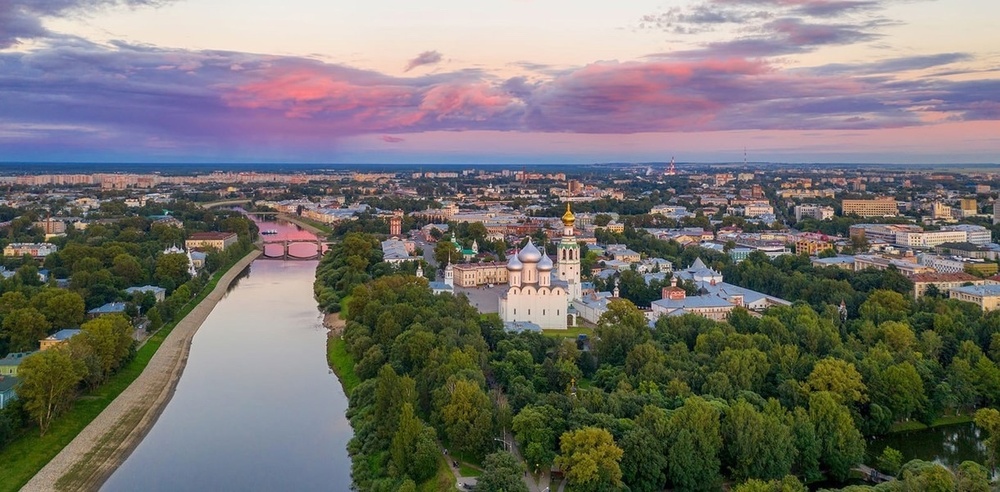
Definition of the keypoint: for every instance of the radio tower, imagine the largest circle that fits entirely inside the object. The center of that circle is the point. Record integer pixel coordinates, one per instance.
(672, 170)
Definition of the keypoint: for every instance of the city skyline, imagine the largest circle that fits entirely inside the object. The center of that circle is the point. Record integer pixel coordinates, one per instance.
(515, 81)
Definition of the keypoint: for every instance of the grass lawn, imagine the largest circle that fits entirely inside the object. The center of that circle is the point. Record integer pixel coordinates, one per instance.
(342, 363)
(570, 332)
(467, 470)
(27, 454)
(913, 425)
(443, 480)
(343, 307)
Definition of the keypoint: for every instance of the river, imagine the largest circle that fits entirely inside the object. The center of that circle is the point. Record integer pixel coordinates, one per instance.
(948, 445)
(257, 407)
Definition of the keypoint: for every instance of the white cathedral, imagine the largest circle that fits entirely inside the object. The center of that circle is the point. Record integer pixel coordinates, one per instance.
(533, 295)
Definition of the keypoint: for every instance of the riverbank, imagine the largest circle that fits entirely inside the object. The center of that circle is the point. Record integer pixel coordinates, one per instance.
(87, 461)
(317, 228)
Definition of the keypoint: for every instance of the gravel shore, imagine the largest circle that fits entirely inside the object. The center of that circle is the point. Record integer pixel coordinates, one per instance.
(103, 445)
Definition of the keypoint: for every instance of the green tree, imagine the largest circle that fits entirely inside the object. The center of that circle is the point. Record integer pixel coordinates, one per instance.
(128, 268)
(620, 328)
(110, 337)
(840, 441)
(535, 430)
(839, 378)
(786, 484)
(988, 419)
(884, 305)
(444, 252)
(502, 472)
(468, 417)
(695, 442)
(23, 328)
(172, 269)
(972, 477)
(65, 309)
(643, 463)
(589, 458)
(890, 461)
(758, 445)
(926, 477)
(48, 384)
(404, 450)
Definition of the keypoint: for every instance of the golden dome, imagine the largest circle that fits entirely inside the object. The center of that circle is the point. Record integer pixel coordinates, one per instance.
(568, 219)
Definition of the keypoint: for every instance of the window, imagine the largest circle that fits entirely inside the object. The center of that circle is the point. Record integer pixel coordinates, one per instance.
(543, 312)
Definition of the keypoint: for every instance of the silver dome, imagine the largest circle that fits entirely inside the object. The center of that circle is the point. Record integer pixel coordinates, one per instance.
(530, 254)
(545, 265)
(514, 264)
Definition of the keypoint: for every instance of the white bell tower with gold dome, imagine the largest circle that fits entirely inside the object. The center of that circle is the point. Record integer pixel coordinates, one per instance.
(568, 257)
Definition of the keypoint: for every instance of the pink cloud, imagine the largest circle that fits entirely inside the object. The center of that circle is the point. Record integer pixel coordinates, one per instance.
(391, 139)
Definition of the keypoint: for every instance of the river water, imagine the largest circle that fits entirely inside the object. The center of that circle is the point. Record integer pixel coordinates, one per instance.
(257, 407)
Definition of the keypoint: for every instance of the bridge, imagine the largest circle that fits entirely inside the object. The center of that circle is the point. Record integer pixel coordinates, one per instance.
(872, 475)
(222, 203)
(287, 255)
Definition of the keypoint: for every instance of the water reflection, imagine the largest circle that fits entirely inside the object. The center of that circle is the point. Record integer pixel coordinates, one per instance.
(949, 446)
(257, 407)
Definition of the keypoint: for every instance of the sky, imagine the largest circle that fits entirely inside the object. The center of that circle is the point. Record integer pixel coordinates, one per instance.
(500, 81)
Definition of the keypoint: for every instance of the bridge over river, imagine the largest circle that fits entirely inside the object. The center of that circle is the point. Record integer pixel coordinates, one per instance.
(286, 250)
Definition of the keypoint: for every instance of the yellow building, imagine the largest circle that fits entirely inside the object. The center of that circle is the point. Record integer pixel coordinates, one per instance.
(987, 297)
(879, 207)
(476, 274)
(811, 247)
(210, 240)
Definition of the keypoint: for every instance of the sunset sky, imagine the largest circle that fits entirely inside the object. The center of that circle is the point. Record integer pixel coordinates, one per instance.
(497, 81)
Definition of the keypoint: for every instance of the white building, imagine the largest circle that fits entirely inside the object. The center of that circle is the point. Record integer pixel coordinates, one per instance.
(532, 295)
(929, 239)
(757, 209)
(817, 212)
(977, 234)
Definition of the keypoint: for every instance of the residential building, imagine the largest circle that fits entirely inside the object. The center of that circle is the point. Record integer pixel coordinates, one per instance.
(395, 250)
(757, 209)
(907, 268)
(37, 250)
(10, 363)
(158, 292)
(109, 308)
(944, 282)
(987, 297)
(817, 212)
(811, 246)
(211, 240)
(57, 338)
(7, 394)
(879, 207)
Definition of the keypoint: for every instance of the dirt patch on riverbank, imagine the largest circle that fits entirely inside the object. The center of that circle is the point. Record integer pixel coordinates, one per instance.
(334, 324)
(106, 443)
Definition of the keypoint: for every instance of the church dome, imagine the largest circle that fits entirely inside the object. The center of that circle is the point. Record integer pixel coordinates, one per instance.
(545, 265)
(514, 264)
(530, 254)
(568, 219)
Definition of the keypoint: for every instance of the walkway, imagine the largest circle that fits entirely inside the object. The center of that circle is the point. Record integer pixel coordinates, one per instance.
(95, 453)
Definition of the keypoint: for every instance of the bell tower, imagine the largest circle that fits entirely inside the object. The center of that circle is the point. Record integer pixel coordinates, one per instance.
(568, 256)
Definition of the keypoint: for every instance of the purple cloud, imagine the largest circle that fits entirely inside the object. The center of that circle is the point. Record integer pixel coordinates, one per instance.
(425, 58)
(21, 19)
(76, 96)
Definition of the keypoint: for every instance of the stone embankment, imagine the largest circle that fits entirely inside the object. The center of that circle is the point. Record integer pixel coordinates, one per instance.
(104, 445)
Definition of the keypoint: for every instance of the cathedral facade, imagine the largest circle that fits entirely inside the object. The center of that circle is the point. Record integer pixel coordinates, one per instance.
(538, 291)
